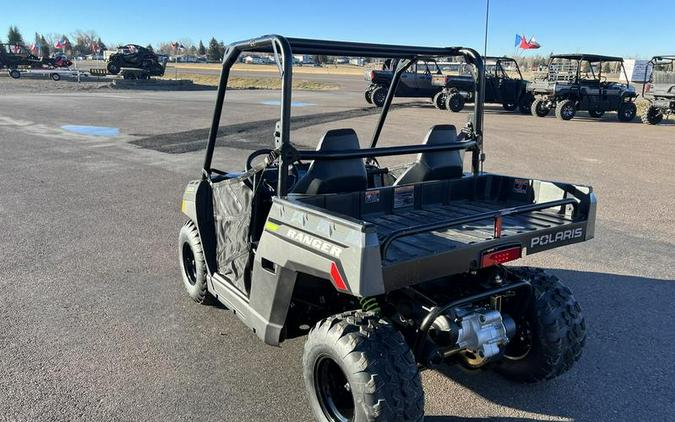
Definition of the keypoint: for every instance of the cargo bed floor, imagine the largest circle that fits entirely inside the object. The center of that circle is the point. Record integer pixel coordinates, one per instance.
(434, 242)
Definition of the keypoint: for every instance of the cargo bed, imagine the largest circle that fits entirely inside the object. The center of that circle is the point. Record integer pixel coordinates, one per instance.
(438, 228)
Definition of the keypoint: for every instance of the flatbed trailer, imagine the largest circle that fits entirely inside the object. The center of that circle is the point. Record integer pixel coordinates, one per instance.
(54, 74)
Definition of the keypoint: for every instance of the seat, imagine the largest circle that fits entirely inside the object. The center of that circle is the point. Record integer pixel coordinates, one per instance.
(334, 176)
(438, 165)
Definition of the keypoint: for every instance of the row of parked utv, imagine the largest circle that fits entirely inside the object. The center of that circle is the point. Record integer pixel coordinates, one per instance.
(571, 83)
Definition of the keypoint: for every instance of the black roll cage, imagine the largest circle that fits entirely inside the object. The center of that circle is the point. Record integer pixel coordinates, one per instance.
(403, 56)
(656, 61)
(498, 64)
(590, 59)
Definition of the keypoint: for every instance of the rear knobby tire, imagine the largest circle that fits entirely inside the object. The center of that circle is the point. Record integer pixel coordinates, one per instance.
(358, 367)
(113, 68)
(627, 112)
(551, 332)
(192, 263)
(539, 109)
(525, 105)
(566, 110)
(652, 116)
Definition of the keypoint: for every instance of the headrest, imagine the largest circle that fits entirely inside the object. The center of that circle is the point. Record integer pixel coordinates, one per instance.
(441, 134)
(339, 140)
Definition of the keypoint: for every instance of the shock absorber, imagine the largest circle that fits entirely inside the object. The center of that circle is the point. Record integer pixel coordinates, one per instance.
(370, 304)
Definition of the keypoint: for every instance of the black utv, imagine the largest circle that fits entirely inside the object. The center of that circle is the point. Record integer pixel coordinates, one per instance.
(415, 82)
(575, 82)
(504, 84)
(137, 57)
(386, 272)
(659, 89)
(13, 56)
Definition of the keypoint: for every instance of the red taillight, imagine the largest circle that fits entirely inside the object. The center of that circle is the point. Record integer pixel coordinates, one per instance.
(372, 75)
(499, 257)
(336, 277)
(648, 87)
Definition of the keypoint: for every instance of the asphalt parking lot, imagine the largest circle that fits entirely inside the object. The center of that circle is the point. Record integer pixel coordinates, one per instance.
(95, 323)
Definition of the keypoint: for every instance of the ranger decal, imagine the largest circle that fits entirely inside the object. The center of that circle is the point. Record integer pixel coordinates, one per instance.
(313, 242)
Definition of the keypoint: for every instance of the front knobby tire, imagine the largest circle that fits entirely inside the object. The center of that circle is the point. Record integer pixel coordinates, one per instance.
(627, 112)
(551, 332)
(454, 102)
(358, 367)
(193, 264)
(566, 110)
(378, 96)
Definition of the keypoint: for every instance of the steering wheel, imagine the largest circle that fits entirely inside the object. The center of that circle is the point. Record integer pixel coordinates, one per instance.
(266, 151)
(254, 155)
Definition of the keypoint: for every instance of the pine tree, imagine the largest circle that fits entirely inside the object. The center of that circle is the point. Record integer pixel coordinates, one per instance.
(45, 50)
(149, 47)
(14, 36)
(213, 53)
(201, 50)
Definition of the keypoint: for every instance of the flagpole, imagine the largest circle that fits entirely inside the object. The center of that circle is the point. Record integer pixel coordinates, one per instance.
(487, 18)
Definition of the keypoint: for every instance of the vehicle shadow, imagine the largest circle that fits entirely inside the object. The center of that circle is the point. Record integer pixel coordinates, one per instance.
(616, 378)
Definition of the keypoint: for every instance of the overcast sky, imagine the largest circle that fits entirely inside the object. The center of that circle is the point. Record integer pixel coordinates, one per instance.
(607, 27)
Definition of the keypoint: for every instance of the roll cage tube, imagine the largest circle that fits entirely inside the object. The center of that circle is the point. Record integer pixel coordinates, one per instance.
(277, 44)
(405, 56)
(656, 61)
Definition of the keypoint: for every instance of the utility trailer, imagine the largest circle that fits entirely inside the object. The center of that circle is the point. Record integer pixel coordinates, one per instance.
(659, 89)
(54, 74)
(386, 272)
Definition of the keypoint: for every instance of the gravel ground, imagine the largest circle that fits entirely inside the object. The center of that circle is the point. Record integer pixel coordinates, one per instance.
(96, 326)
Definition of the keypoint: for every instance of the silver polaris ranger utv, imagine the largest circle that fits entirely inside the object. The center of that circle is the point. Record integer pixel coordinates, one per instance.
(386, 274)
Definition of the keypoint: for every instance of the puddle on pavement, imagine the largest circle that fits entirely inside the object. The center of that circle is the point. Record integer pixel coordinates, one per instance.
(92, 130)
(293, 103)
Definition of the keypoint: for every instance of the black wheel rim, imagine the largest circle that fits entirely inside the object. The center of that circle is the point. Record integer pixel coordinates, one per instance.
(378, 98)
(189, 264)
(521, 343)
(333, 390)
(567, 111)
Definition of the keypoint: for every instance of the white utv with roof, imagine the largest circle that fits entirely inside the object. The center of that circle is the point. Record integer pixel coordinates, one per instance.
(386, 274)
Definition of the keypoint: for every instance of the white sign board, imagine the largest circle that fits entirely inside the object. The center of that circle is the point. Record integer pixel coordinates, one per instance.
(635, 69)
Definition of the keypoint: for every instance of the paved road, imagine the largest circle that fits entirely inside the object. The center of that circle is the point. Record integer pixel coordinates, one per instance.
(95, 324)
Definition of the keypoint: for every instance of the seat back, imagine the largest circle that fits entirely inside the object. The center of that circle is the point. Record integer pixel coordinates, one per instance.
(437, 165)
(334, 176)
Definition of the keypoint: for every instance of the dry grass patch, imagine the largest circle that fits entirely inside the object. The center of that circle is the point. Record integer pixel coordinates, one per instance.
(236, 82)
